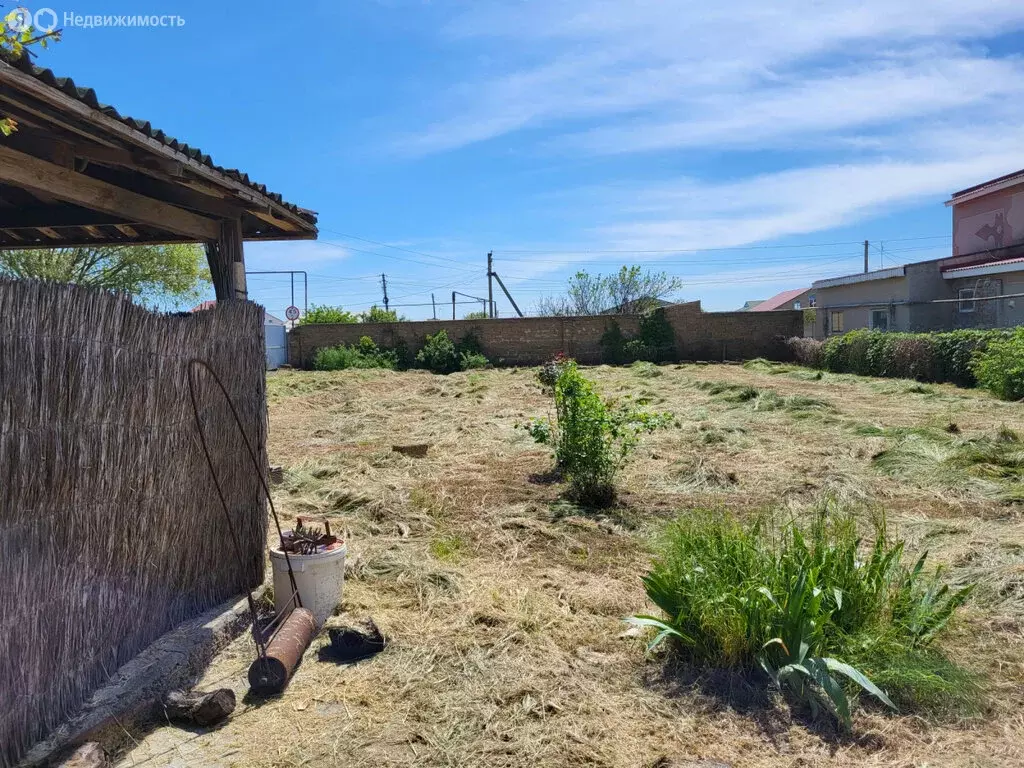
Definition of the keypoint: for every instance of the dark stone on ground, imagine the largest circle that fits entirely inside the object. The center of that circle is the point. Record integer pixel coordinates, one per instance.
(200, 707)
(352, 642)
(89, 755)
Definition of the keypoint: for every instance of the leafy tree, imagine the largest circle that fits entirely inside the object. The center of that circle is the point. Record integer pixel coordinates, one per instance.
(634, 290)
(16, 40)
(377, 315)
(631, 290)
(479, 315)
(151, 274)
(324, 314)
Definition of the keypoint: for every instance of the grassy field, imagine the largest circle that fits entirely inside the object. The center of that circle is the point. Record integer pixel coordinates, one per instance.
(503, 603)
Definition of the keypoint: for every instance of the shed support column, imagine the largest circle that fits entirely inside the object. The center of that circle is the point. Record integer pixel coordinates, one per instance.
(227, 262)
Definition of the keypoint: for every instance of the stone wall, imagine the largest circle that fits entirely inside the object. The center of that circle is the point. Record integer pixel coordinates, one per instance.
(532, 340)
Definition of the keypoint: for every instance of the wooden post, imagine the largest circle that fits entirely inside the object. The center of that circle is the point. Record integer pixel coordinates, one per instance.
(227, 262)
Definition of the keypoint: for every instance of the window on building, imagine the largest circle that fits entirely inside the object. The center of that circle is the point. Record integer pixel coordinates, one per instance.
(812, 300)
(880, 319)
(796, 305)
(835, 322)
(966, 303)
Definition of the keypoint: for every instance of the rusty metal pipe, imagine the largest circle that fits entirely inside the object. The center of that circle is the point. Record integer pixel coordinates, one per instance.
(270, 673)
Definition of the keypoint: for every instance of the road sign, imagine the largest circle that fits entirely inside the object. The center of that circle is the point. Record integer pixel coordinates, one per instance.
(292, 313)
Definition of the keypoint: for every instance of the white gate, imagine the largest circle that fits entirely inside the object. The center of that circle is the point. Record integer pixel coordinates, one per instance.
(276, 343)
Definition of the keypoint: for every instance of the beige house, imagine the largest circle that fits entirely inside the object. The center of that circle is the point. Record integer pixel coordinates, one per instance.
(980, 286)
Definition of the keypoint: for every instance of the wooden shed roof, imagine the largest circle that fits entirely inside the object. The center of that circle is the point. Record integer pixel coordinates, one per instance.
(78, 172)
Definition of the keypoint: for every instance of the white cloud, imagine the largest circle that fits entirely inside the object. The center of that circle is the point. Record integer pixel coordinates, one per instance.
(696, 71)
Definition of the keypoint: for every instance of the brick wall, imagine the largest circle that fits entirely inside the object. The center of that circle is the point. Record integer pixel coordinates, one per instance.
(532, 340)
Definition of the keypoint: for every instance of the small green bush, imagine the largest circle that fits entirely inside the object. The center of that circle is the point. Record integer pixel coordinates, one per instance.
(364, 354)
(439, 354)
(1000, 367)
(803, 601)
(472, 360)
(591, 437)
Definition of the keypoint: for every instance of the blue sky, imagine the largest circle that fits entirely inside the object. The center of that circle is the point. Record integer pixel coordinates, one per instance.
(745, 146)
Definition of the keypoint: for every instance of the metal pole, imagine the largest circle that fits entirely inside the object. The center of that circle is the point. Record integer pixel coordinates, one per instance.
(305, 294)
(490, 287)
(384, 283)
(866, 256)
(434, 305)
(453, 305)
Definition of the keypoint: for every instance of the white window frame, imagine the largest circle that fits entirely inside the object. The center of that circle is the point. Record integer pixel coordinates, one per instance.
(966, 304)
(871, 319)
(796, 305)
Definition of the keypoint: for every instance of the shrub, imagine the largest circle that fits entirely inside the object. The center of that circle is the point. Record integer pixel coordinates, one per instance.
(1000, 367)
(472, 360)
(364, 354)
(551, 370)
(321, 313)
(613, 344)
(937, 357)
(439, 354)
(802, 602)
(592, 438)
(657, 337)
(806, 351)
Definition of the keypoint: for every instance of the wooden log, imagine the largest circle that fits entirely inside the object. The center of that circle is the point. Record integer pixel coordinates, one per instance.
(200, 707)
(89, 755)
(270, 674)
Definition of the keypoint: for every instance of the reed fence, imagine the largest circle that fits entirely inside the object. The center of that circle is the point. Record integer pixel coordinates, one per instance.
(110, 528)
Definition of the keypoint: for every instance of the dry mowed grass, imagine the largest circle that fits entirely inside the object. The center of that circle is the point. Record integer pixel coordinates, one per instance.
(503, 603)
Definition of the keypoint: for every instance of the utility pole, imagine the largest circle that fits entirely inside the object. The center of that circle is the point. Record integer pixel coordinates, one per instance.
(866, 244)
(453, 305)
(434, 305)
(490, 287)
(384, 284)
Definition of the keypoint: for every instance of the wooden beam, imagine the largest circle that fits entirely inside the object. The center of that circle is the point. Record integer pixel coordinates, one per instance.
(23, 83)
(12, 235)
(54, 216)
(93, 232)
(31, 173)
(50, 233)
(127, 230)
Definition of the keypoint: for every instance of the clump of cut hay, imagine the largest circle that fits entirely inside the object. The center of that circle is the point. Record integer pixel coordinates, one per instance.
(988, 466)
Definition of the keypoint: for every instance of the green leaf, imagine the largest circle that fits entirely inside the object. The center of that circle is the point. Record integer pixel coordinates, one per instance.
(834, 665)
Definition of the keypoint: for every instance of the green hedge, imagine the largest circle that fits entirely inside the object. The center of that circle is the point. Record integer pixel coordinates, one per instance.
(952, 356)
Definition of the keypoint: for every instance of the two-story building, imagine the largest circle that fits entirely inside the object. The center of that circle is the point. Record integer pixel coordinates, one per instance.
(980, 285)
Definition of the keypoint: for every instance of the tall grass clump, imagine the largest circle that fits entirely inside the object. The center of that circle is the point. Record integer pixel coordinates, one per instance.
(820, 609)
(592, 437)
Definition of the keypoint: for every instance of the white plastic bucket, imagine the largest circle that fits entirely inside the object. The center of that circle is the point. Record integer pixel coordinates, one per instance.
(319, 579)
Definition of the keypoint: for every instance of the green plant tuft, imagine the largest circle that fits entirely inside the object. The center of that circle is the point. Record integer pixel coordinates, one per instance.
(814, 605)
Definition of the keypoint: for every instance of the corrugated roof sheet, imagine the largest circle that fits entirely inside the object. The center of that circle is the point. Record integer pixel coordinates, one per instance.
(778, 300)
(88, 97)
